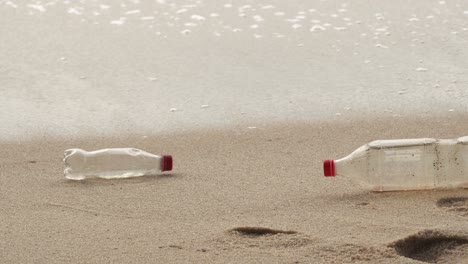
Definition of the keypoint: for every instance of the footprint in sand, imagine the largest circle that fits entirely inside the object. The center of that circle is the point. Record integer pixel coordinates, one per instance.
(259, 231)
(262, 237)
(433, 246)
(457, 205)
(310, 250)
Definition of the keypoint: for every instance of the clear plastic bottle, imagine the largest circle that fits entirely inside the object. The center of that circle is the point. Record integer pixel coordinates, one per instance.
(406, 164)
(113, 163)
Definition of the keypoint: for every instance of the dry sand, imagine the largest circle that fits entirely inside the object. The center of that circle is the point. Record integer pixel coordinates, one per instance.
(235, 196)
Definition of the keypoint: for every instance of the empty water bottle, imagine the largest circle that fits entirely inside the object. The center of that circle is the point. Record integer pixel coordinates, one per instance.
(405, 164)
(113, 163)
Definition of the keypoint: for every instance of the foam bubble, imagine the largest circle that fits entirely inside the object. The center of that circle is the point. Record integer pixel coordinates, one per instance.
(268, 6)
(74, 11)
(340, 28)
(198, 17)
(39, 8)
(132, 12)
(185, 32)
(317, 28)
(378, 45)
(296, 26)
(258, 18)
(11, 4)
(119, 21)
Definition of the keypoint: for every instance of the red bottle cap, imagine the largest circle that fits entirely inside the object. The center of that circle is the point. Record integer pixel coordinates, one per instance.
(329, 168)
(166, 163)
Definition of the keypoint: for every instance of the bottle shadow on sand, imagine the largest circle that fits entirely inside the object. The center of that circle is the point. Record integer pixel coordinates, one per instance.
(147, 179)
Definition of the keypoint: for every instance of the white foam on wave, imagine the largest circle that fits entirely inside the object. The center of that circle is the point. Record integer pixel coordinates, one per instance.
(340, 28)
(258, 18)
(198, 17)
(268, 6)
(119, 21)
(190, 24)
(37, 7)
(132, 12)
(378, 45)
(242, 8)
(296, 26)
(278, 35)
(317, 28)
(11, 4)
(74, 11)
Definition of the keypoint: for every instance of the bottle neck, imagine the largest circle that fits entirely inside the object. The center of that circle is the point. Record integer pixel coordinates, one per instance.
(353, 165)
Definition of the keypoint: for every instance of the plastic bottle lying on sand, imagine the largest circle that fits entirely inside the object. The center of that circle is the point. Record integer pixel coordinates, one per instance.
(113, 163)
(406, 164)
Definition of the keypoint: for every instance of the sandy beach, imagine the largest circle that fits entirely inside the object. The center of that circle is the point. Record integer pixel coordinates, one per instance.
(249, 98)
(269, 177)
